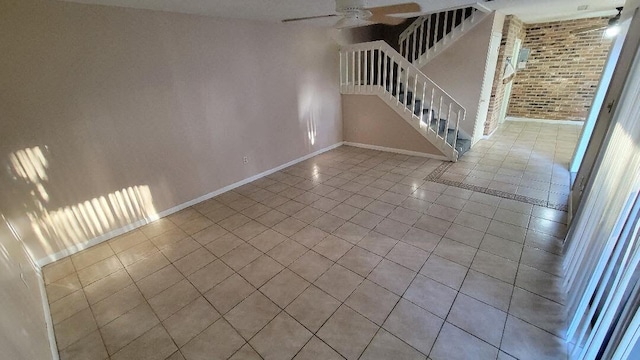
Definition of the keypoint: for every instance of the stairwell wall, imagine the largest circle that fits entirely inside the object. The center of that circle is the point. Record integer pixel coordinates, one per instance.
(460, 68)
(155, 108)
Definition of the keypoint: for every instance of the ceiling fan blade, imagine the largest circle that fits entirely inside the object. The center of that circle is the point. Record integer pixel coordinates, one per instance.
(387, 20)
(588, 29)
(396, 9)
(308, 18)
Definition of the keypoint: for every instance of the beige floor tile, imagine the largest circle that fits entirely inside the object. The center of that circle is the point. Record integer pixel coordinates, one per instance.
(210, 276)
(328, 223)
(456, 344)
(386, 346)
(408, 256)
(159, 281)
(316, 349)
(366, 219)
(528, 342)
(351, 232)
(252, 314)
(495, 266)
(309, 236)
(289, 226)
(538, 311)
(190, 321)
(312, 308)
(392, 228)
(267, 240)
(498, 246)
(372, 301)
(541, 283)
(421, 239)
(234, 221)
(310, 265)
(117, 304)
(414, 325)
(173, 299)
(478, 319)
(229, 293)
(246, 353)
(67, 306)
(126, 328)
(360, 261)
(431, 295)
(332, 247)
(209, 234)
(74, 328)
(157, 227)
(287, 252)
(125, 241)
(147, 266)
(137, 253)
(392, 276)
(542, 260)
(282, 338)
(99, 270)
(89, 347)
(308, 214)
(339, 282)
(63, 287)
(455, 251)
(180, 249)
(377, 243)
(284, 287)
(194, 261)
(241, 256)
(347, 332)
(444, 271)
(91, 256)
(169, 238)
(260, 270)
(433, 225)
(487, 289)
(224, 244)
(218, 341)
(156, 344)
(107, 286)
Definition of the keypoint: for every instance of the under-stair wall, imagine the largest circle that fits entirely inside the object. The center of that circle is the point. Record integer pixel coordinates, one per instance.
(461, 70)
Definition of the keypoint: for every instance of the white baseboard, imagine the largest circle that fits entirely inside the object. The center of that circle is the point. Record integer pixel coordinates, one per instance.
(545, 121)
(397, 151)
(111, 234)
(47, 316)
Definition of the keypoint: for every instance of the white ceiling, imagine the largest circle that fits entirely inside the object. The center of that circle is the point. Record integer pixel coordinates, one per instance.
(276, 10)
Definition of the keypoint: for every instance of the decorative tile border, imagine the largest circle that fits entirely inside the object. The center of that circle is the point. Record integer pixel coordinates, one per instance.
(435, 175)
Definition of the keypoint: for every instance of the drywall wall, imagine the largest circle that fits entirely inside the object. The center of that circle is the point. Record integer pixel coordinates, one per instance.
(369, 120)
(110, 115)
(23, 330)
(563, 70)
(460, 68)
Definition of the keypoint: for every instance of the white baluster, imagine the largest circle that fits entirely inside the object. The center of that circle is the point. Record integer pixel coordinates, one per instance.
(365, 61)
(359, 71)
(384, 72)
(353, 70)
(421, 113)
(415, 95)
(379, 67)
(421, 28)
(435, 32)
(398, 74)
(371, 72)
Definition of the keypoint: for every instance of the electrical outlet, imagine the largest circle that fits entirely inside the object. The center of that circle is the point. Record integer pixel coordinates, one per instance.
(245, 160)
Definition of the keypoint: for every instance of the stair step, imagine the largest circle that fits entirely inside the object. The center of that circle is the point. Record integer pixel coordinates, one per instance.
(462, 145)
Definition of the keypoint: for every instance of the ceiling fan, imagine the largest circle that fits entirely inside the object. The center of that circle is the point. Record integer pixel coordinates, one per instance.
(611, 29)
(354, 11)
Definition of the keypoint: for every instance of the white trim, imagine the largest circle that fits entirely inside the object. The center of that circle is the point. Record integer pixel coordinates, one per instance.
(546, 121)
(397, 151)
(47, 316)
(111, 234)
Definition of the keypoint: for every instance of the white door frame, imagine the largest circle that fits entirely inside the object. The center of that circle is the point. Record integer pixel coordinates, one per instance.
(507, 89)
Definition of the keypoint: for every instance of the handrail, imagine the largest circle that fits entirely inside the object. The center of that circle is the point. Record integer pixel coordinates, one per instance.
(376, 68)
(428, 33)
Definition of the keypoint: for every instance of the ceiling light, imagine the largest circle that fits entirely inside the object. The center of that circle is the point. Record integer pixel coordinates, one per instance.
(612, 31)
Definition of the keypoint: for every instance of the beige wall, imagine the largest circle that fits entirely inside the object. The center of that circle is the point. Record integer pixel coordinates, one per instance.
(161, 105)
(369, 120)
(460, 68)
(23, 332)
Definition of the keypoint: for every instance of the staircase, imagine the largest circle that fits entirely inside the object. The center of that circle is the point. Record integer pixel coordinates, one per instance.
(430, 34)
(375, 68)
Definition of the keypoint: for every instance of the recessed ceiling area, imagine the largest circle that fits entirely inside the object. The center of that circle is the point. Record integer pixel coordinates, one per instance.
(530, 11)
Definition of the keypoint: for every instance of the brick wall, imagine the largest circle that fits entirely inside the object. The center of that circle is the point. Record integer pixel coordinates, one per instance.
(563, 70)
(513, 29)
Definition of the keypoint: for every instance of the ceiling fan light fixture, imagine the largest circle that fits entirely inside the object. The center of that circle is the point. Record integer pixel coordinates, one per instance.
(612, 31)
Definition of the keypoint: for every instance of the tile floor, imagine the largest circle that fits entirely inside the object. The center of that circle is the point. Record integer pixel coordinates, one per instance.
(350, 254)
(525, 159)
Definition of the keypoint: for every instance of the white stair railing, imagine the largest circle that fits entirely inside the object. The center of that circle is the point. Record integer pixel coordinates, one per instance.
(429, 34)
(375, 68)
